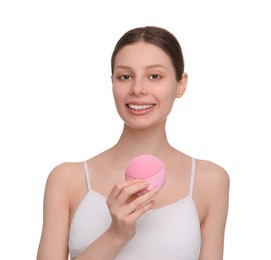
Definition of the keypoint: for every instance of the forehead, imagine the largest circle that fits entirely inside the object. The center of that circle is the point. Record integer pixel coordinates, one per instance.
(141, 53)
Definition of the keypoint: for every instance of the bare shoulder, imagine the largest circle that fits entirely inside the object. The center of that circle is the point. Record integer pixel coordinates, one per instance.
(212, 175)
(212, 186)
(65, 170)
(63, 175)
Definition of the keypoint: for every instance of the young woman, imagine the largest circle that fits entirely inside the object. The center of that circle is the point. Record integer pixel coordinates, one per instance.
(91, 212)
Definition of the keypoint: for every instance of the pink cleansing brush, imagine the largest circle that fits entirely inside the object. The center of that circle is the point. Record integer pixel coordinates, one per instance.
(148, 168)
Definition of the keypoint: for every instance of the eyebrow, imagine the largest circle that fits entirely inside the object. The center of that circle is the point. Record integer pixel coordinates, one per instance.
(147, 67)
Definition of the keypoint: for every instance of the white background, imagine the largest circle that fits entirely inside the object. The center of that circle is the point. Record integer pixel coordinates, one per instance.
(56, 103)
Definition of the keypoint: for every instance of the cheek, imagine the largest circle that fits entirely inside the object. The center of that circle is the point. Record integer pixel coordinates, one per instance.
(169, 93)
(168, 99)
(115, 90)
(118, 94)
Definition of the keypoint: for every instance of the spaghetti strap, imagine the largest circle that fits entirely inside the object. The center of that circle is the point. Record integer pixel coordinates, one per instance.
(87, 174)
(192, 179)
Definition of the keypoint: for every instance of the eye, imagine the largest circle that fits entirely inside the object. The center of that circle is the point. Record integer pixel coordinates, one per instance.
(125, 77)
(154, 77)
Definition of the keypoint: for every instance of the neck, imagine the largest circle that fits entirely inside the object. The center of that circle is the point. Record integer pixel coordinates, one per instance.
(134, 142)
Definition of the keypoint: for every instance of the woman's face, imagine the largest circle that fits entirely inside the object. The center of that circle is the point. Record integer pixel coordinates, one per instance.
(144, 84)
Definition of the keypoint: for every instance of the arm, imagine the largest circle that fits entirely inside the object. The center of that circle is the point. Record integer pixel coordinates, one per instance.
(124, 206)
(213, 226)
(54, 237)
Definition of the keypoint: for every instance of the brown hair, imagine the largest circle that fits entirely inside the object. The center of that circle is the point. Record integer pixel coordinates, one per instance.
(157, 36)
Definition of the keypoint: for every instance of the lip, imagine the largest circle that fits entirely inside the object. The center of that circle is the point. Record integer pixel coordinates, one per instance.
(140, 111)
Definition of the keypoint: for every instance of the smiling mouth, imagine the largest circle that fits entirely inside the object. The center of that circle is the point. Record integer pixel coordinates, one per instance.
(140, 107)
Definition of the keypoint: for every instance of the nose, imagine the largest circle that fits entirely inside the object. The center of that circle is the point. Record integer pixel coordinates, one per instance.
(138, 88)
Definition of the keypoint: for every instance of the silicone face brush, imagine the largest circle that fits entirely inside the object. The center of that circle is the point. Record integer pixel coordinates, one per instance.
(148, 168)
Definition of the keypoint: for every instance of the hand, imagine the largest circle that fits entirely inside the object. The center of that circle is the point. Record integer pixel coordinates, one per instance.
(126, 207)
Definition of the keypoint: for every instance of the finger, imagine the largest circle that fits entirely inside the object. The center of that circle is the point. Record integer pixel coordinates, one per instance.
(141, 200)
(117, 189)
(131, 190)
(141, 210)
(129, 220)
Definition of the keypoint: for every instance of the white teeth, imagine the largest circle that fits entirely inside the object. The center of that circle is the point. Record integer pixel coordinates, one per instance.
(140, 107)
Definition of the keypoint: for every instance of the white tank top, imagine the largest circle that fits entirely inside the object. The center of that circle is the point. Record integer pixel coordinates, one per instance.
(167, 233)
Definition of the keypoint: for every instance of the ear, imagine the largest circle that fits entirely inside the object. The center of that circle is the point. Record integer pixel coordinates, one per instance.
(182, 85)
